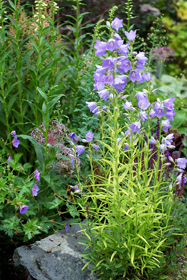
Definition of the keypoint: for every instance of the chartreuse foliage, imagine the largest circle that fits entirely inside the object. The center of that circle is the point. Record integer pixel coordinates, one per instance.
(129, 200)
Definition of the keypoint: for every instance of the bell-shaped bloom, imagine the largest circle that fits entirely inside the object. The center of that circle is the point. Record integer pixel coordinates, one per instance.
(140, 95)
(181, 162)
(152, 114)
(100, 48)
(37, 175)
(130, 35)
(143, 103)
(159, 109)
(170, 115)
(23, 209)
(117, 23)
(80, 149)
(91, 105)
(108, 63)
(134, 75)
(146, 76)
(112, 44)
(168, 103)
(123, 49)
(181, 179)
(89, 136)
(108, 79)
(143, 116)
(135, 127)
(165, 125)
(96, 147)
(104, 94)
(8, 160)
(35, 190)
(141, 57)
(72, 162)
(153, 140)
(72, 135)
(128, 106)
(15, 142)
(67, 227)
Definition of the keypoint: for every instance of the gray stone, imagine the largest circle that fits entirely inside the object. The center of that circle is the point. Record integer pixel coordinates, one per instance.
(59, 259)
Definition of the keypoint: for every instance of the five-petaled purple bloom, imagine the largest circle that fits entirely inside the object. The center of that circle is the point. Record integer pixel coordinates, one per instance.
(95, 146)
(181, 162)
(67, 227)
(15, 142)
(37, 175)
(23, 209)
(130, 35)
(89, 136)
(117, 23)
(80, 149)
(72, 135)
(35, 190)
(9, 158)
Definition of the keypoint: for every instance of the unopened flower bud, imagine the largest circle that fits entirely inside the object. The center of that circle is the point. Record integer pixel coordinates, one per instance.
(84, 141)
(171, 159)
(108, 23)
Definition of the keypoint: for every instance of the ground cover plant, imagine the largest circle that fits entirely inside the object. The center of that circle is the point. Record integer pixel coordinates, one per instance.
(120, 167)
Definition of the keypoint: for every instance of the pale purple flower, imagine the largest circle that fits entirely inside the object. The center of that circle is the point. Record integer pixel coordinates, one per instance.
(23, 209)
(152, 141)
(128, 106)
(168, 103)
(13, 133)
(123, 49)
(141, 94)
(134, 75)
(108, 79)
(165, 125)
(104, 94)
(51, 239)
(67, 227)
(159, 109)
(135, 127)
(126, 147)
(146, 76)
(143, 103)
(100, 48)
(77, 190)
(141, 57)
(37, 175)
(80, 149)
(117, 23)
(96, 111)
(72, 162)
(35, 190)
(170, 115)
(72, 135)
(15, 142)
(89, 136)
(125, 66)
(108, 62)
(152, 114)
(112, 44)
(118, 140)
(8, 160)
(143, 116)
(95, 146)
(130, 35)
(91, 105)
(179, 179)
(181, 162)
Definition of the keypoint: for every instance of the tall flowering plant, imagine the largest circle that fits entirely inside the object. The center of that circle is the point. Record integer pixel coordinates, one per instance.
(132, 198)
